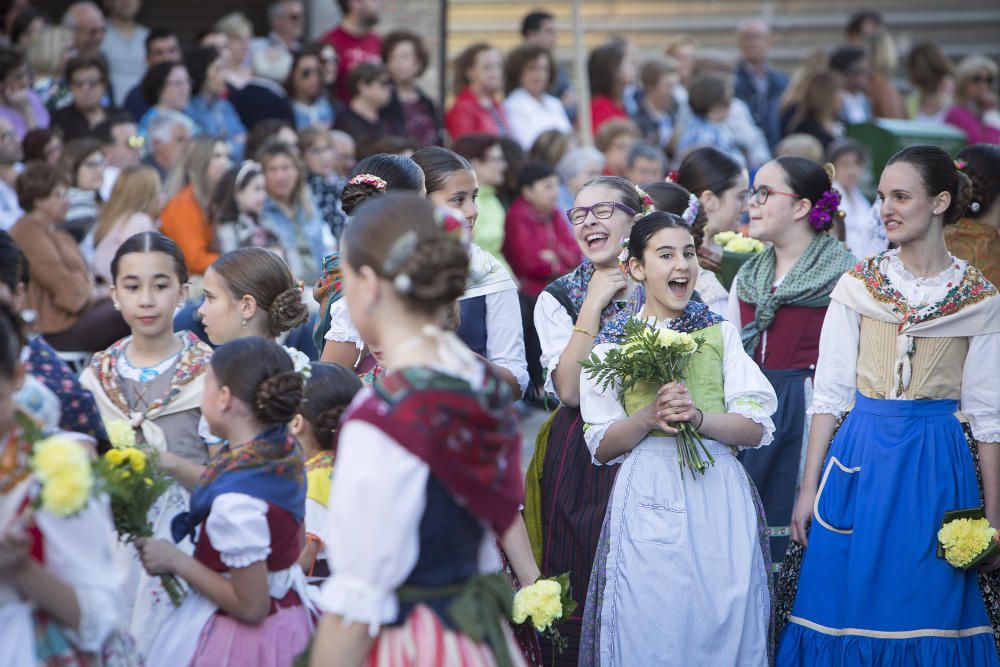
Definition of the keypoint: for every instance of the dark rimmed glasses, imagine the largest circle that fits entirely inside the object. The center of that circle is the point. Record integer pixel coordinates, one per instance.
(761, 194)
(602, 210)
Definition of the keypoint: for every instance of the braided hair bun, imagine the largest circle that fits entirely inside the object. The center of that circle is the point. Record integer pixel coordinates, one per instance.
(287, 311)
(260, 373)
(329, 390)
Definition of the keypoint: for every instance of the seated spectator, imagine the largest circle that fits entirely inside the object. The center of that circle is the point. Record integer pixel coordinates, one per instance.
(345, 153)
(657, 112)
(484, 153)
(124, 47)
(354, 39)
(646, 164)
(11, 155)
(168, 134)
(933, 77)
(306, 90)
(19, 104)
(133, 208)
(862, 235)
(189, 186)
(816, 114)
(162, 46)
(882, 61)
(757, 83)
(316, 148)
(709, 97)
(88, 82)
(976, 237)
(212, 113)
(87, 24)
(46, 56)
(530, 110)
(538, 27)
(684, 50)
(43, 145)
(578, 166)
(800, 145)
(262, 99)
(609, 74)
(268, 130)
(121, 145)
(615, 139)
(27, 25)
(287, 20)
(750, 140)
(289, 211)
(975, 110)
(550, 147)
(478, 81)
(165, 87)
(410, 113)
(852, 65)
(235, 211)
(369, 87)
(238, 31)
(83, 164)
(71, 313)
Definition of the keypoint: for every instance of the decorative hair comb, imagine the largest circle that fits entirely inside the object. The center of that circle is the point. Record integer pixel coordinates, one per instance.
(369, 179)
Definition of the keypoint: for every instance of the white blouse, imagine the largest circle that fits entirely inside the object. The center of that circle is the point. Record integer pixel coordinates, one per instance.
(554, 327)
(746, 392)
(836, 370)
(529, 116)
(377, 500)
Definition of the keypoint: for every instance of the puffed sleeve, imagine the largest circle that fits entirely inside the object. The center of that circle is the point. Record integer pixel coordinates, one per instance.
(78, 550)
(505, 335)
(980, 390)
(555, 328)
(747, 391)
(341, 328)
(600, 409)
(237, 528)
(836, 380)
(377, 498)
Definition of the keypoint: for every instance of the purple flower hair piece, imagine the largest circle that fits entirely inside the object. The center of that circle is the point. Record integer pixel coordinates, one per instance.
(691, 212)
(824, 210)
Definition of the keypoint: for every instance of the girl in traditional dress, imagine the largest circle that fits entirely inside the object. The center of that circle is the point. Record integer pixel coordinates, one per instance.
(247, 604)
(681, 572)
(59, 590)
(909, 349)
(153, 380)
(566, 496)
(428, 460)
(779, 298)
(329, 390)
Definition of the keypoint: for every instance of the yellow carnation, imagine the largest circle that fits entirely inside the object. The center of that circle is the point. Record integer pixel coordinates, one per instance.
(722, 238)
(67, 491)
(964, 540)
(115, 457)
(744, 244)
(120, 433)
(667, 337)
(136, 458)
(542, 601)
(53, 455)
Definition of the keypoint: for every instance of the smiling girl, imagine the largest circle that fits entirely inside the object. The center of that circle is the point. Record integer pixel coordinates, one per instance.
(681, 576)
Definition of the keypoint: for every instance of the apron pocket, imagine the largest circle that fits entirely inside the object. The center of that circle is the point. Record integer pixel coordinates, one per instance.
(656, 523)
(834, 508)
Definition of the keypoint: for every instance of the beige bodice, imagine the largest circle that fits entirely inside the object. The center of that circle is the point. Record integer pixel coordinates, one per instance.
(935, 364)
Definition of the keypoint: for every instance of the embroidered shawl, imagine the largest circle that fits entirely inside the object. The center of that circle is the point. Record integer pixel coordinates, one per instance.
(574, 286)
(696, 316)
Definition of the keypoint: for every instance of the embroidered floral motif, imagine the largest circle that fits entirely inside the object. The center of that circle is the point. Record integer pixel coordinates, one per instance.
(696, 316)
(275, 451)
(972, 289)
(575, 285)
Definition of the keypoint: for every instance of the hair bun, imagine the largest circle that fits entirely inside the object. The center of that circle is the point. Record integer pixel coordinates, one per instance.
(437, 270)
(278, 397)
(355, 194)
(326, 424)
(831, 172)
(287, 311)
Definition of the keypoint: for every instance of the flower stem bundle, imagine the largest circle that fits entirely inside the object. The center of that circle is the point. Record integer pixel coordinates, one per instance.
(546, 603)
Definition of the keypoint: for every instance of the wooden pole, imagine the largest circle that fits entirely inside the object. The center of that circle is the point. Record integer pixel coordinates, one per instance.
(442, 54)
(582, 80)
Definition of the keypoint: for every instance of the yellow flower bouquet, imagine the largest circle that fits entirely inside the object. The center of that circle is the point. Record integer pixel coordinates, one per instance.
(736, 242)
(546, 603)
(966, 539)
(63, 469)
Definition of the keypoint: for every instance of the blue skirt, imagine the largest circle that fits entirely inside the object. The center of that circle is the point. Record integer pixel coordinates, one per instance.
(872, 590)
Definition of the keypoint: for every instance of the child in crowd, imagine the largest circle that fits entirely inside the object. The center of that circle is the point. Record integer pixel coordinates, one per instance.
(153, 379)
(248, 599)
(864, 234)
(710, 95)
(329, 390)
(235, 211)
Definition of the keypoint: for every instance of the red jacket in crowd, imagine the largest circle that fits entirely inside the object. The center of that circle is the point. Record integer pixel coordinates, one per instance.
(468, 116)
(539, 247)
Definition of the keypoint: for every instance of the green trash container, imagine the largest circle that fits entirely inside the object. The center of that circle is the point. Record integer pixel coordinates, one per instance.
(885, 137)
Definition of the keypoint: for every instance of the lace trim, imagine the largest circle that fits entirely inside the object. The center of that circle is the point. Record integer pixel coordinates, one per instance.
(358, 602)
(744, 407)
(245, 557)
(987, 437)
(820, 407)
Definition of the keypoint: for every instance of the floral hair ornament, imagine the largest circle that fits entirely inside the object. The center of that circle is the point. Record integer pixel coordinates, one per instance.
(824, 210)
(672, 176)
(369, 179)
(623, 255)
(647, 201)
(691, 212)
(454, 226)
(961, 164)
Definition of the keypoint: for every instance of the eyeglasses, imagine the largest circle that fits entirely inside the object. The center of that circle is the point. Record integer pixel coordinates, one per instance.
(761, 194)
(98, 163)
(179, 82)
(602, 210)
(982, 78)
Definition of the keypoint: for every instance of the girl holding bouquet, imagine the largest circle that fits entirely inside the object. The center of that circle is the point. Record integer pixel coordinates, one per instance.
(248, 593)
(681, 573)
(909, 351)
(152, 381)
(428, 461)
(59, 591)
(778, 299)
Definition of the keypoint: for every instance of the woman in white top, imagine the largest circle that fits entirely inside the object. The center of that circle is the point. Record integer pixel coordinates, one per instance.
(530, 111)
(134, 206)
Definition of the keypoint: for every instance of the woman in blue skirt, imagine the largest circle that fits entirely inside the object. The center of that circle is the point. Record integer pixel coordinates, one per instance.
(909, 348)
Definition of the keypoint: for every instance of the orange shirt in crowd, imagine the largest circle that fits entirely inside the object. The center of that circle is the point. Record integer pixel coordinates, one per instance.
(183, 220)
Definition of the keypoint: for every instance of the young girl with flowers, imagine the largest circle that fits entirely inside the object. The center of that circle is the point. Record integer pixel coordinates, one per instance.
(681, 572)
(248, 593)
(428, 463)
(152, 380)
(59, 591)
(908, 351)
(779, 299)
(329, 390)
(566, 496)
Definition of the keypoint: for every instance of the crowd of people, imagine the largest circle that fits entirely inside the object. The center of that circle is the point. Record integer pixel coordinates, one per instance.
(321, 304)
